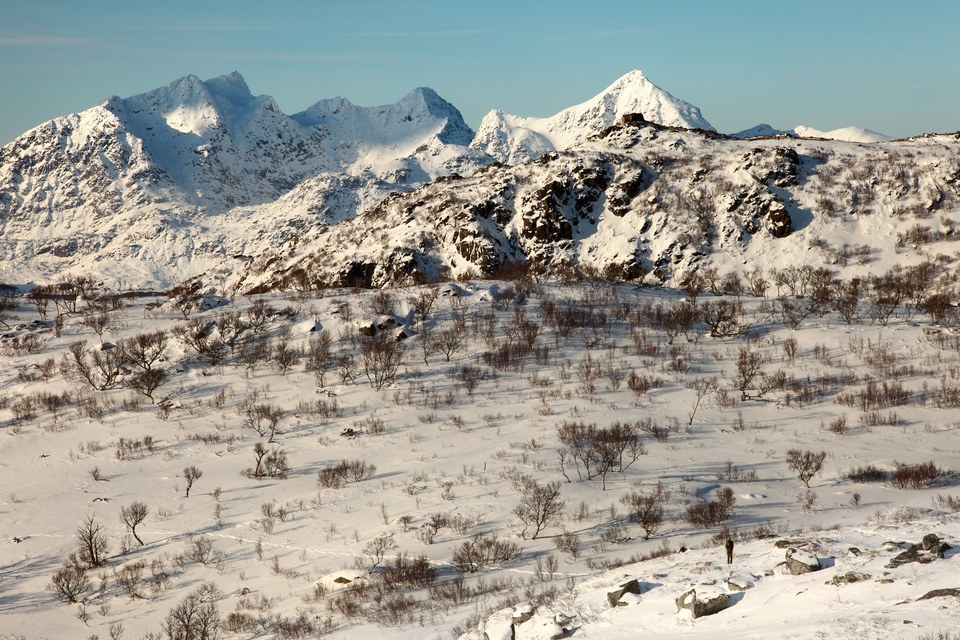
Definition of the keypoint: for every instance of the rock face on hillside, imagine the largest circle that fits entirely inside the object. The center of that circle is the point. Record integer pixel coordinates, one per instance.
(639, 202)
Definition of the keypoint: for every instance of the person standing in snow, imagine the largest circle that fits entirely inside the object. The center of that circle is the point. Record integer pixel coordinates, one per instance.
(728, 545)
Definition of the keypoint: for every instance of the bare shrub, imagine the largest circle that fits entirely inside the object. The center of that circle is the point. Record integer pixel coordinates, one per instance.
(144, 350)
(484, 551)
(69, 583)
(132, 515)
(191, 474)
(270, 463)
(806, 464)
(749, 368)
(453, 592)
(704, 515)
(320, 359)
(335, 476)
(201, 550)
(646, 508)
(196, 617)
(130, 577)
(540, 506)
(838, 425)
(917, 476)
(948, 503)
(381, 356)
(376, 549)
(404, 571)
(568, 543)
(867, 473)
(93, 543)
(262, 418)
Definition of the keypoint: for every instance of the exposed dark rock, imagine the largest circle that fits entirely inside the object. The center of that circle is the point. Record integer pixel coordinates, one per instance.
(941, 593)
(799, 562)
(613, 597)
(930, 542)
(705, 603)
(849, 577)
(913, 554)
(786, 543)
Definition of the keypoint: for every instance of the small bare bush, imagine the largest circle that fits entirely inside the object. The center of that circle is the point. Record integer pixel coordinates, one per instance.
(711, 514)
(806, 464)
(69, 583)
(335, 476)
(484, 551)
(867, 473)
(568, 543)
(917, 476)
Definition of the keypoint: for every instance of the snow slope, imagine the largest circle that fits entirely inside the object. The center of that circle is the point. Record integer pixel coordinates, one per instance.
(442, 452)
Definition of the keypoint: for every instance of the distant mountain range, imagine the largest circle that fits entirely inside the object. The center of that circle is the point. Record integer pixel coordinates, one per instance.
(849, 134)
(202, 178)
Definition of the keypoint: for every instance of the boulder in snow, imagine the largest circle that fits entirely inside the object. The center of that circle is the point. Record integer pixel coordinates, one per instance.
(631, 586)
(703, 600)
(799, 562)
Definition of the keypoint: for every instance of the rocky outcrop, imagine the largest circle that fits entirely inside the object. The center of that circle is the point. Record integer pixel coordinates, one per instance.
(798, 562)
(631, 586)
(703, 600)
(741, 582)
(850, 577)
(940, 593)
(929, 549)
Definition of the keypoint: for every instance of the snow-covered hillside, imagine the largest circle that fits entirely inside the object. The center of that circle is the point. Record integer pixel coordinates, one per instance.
(650, 204)
(370, 464)
(516, 139)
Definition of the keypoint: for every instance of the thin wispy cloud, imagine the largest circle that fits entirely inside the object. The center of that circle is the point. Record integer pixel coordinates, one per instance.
(617, 32)
(417, 34)
(42, 41)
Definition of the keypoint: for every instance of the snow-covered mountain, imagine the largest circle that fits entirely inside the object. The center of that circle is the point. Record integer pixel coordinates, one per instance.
(159, 168)
(204, 179)
(848, 134)
(645, 203)
(515, 139)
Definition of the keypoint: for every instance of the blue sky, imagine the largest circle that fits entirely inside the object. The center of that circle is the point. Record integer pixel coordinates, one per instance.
(889, 66)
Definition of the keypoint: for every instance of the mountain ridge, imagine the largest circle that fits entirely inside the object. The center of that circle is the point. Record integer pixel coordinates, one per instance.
(185, 180)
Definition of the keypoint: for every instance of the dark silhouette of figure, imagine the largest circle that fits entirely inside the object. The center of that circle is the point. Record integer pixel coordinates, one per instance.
(728, 545)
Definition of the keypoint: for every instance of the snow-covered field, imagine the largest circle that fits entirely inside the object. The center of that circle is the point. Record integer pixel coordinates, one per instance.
(437, 461)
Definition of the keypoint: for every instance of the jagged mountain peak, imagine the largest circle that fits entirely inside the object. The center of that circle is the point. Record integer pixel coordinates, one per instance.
(513, 139)
(422, 108)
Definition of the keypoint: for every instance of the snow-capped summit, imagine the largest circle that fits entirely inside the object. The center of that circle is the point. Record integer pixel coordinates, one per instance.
(422, 112)
(846, 134)
(514, 139)
(163, 162)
